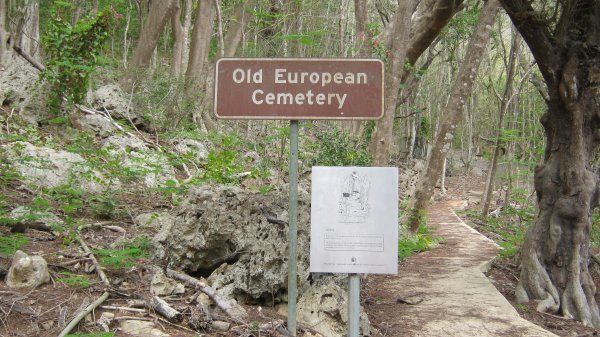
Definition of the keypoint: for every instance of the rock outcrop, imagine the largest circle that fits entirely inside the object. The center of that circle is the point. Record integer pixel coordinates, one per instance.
(27, 271)
(230, 235)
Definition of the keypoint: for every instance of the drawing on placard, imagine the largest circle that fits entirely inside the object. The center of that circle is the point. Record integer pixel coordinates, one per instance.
(354, 199)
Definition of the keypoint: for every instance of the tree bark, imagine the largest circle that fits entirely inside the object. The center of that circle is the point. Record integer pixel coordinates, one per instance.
(393, 72)
(3, 32)
(178, 41)
(197, 61)
(233, 36)
(200, 42)
(160, 12)
(429, 20)
(453, 110)
(555, 255)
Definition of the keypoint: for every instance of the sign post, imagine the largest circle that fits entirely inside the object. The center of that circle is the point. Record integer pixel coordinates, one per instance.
(293, 229)
(298, 89)
(354, 226)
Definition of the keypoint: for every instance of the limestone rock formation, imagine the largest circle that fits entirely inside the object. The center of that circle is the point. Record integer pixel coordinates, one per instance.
(164, 286)
(139, 159)
(46, 167)
(225, 232)
(324, 307)
(27, 271)
(110, 98)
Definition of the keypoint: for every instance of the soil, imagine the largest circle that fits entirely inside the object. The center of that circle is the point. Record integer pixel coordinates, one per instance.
(38, 312)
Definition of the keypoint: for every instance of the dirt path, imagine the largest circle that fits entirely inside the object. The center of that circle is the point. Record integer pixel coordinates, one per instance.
(454, 297)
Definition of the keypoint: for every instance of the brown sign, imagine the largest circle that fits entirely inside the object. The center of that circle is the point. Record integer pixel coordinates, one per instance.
(298, 89)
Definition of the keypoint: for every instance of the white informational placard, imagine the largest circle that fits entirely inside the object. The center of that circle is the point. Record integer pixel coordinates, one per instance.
(354, 220)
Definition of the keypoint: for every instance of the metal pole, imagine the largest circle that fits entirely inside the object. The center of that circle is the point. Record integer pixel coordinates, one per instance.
(293, 229)
(353, 305)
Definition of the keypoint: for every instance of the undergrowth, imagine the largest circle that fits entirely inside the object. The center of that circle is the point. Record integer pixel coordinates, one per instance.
(420, 242)
(509, 227)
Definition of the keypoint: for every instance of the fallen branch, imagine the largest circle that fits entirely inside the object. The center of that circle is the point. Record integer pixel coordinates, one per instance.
(106, 115)
(29, 59)
(160, 306)
(110, 307)
(231, 308)
(22, 226)
(84, 313)
(91, 256)
(103, 277)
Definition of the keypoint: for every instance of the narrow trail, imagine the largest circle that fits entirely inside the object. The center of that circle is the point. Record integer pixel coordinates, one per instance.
(456, 298)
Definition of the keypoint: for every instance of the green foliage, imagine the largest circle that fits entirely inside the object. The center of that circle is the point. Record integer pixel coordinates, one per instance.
(92, 334)
(72, 53)
(225, 161)
(75, 280)
(511, 225)
(419, 242)
(127, 255)
(521, 308)
(11, 243)
(336, 148)
(307, 39)
(8, 174)
(425, 128)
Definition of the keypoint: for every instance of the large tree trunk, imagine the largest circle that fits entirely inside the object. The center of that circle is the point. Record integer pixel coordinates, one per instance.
(453, 110)
(556, 252)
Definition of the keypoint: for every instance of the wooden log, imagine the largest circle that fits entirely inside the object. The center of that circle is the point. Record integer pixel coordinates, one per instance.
(231, 308)
(163, 308)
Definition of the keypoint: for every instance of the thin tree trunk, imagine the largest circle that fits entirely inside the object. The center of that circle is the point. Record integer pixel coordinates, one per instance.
(3, 32)
(160, 12)
(234, 34)
(200, 42)
(187, 23)
(31, 38)
(453, 110)
(197, 61)
(393, 72)
(363, 38)
(504, 106)
(429, 20)
(220, 28)
(178, 41)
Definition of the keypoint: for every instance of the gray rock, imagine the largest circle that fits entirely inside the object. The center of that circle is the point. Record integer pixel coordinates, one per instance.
(324, 307)
(184, 146)
(164, 286)
(135, 155)
(97, 124)
(20, 89)
(111, 98)
(47, 218)
(153, 220)
(47, 167)
(141, 328)
(223, 230)
(27, 271)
